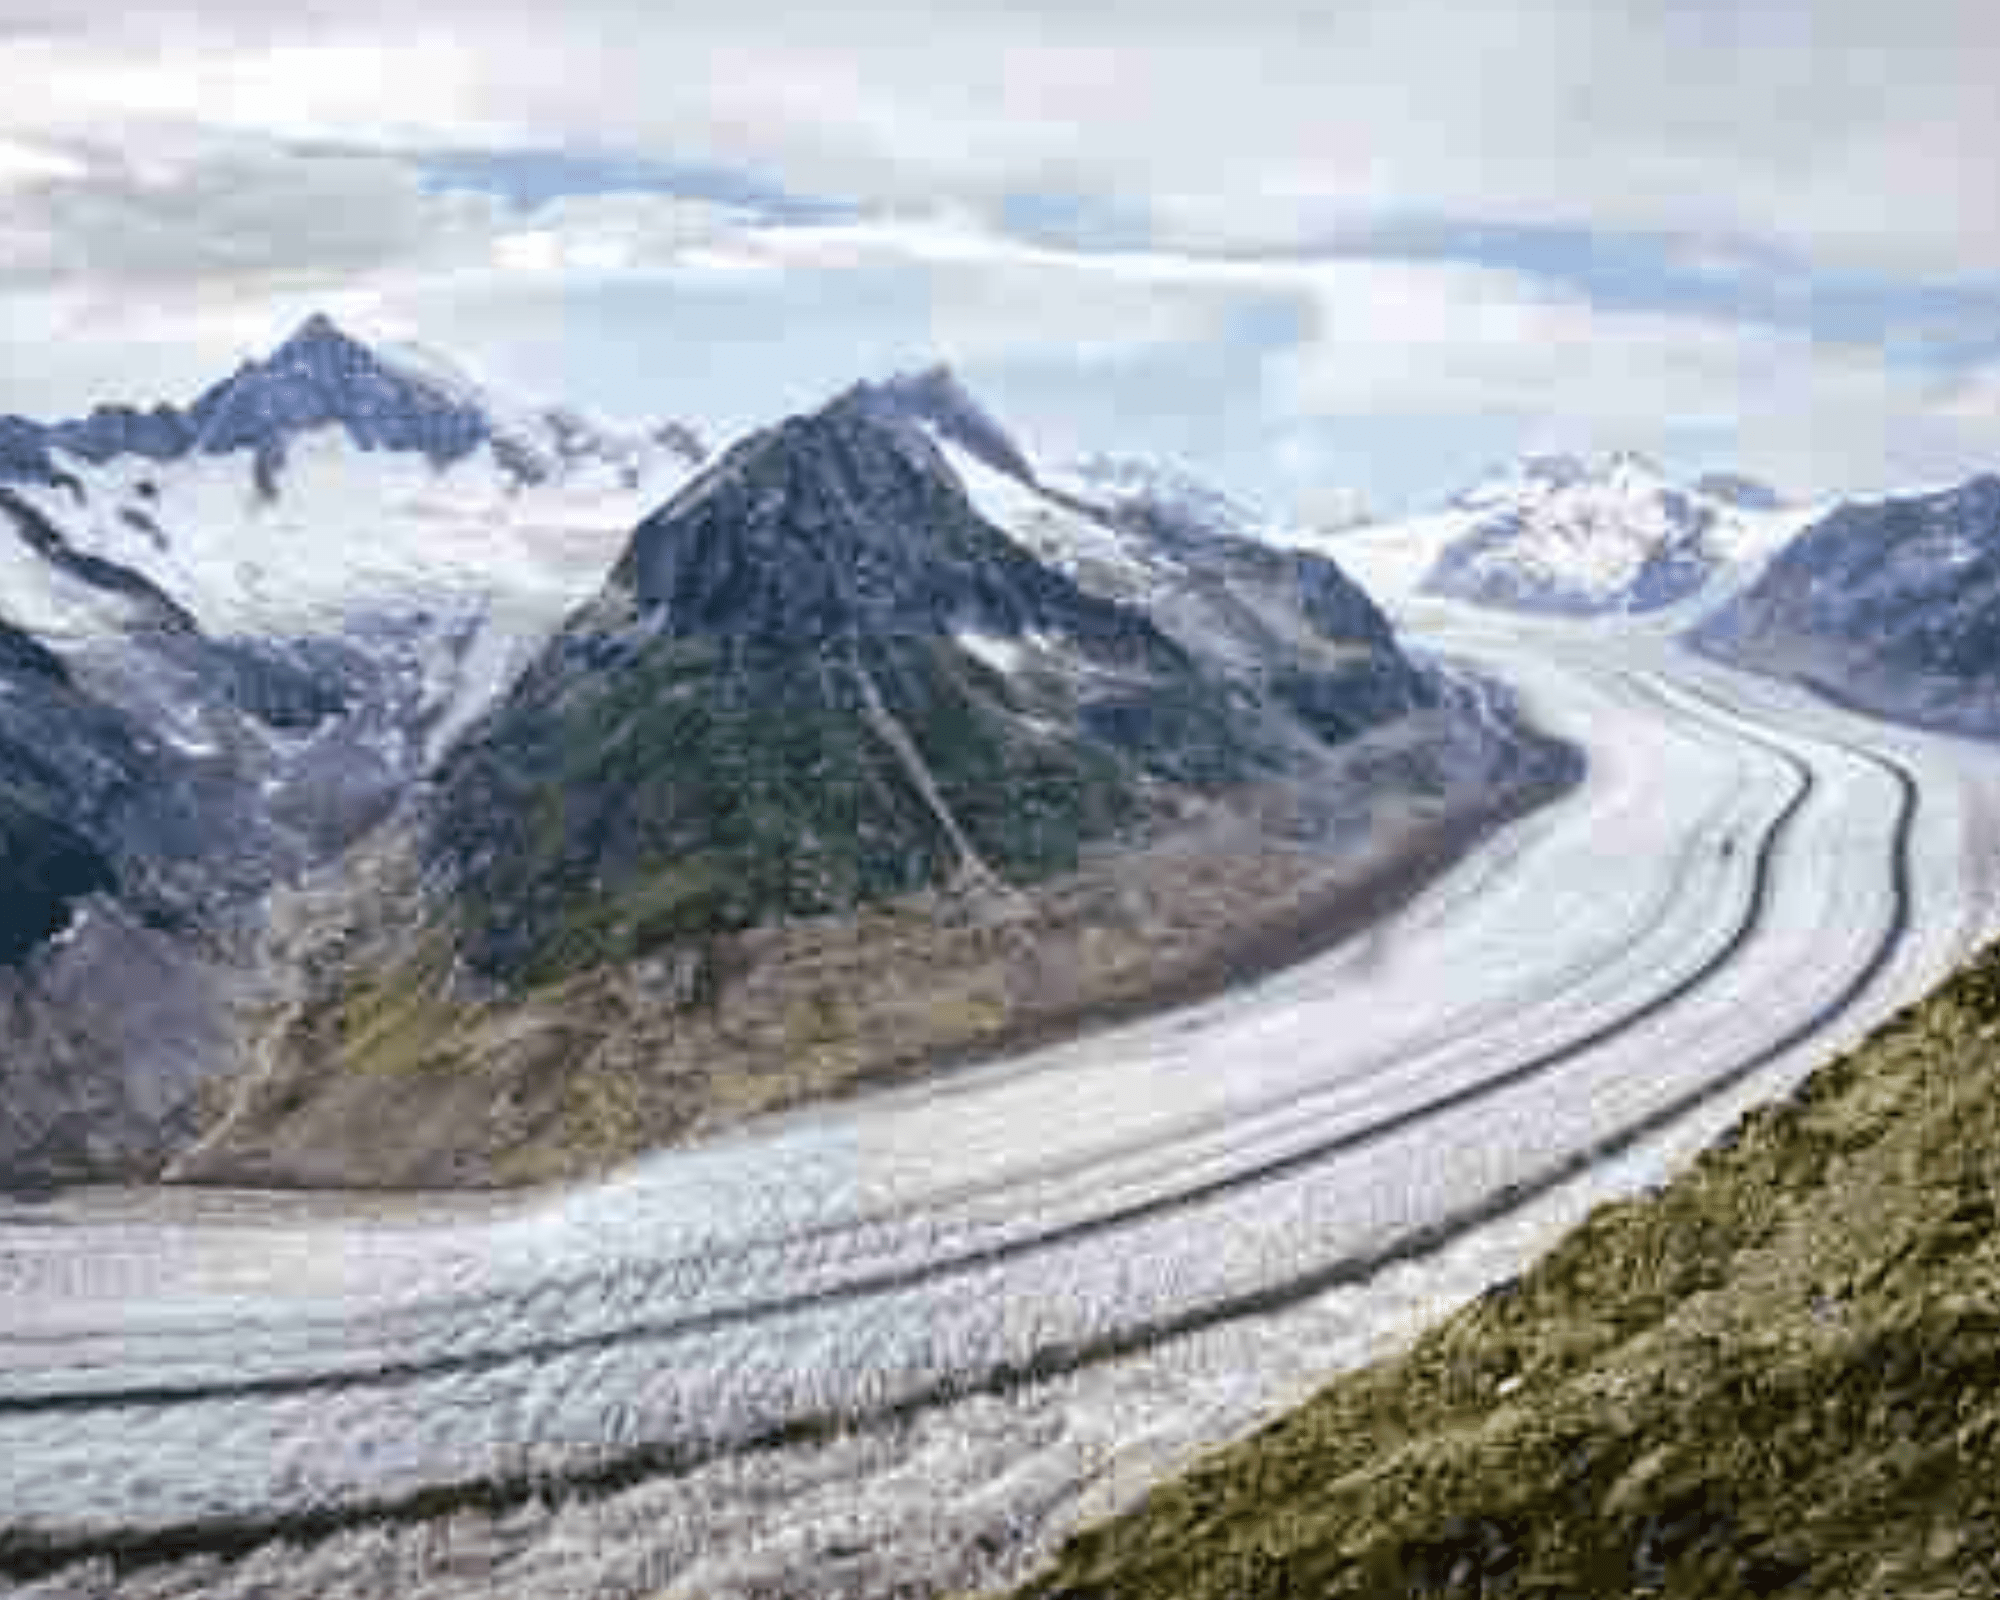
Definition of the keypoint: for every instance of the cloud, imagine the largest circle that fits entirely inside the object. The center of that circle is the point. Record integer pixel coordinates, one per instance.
(229, 217)
(1840, 129)
(1431, 344)
(220, 216)
(212, 168)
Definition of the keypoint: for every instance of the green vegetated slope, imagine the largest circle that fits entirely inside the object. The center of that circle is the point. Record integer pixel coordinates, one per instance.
(772, 712)
(1780, 1375)
(710, 785)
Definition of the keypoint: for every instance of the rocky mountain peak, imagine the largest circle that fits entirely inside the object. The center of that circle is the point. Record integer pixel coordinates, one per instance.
(394, 398)
(842, 523)
(319, 377)
(936, 400)
(319, 329)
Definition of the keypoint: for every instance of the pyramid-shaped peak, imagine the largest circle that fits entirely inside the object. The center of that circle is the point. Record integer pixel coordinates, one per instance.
(319, 332)
(939, 381)
(842, 523)
(320, 377)
(934, 398)
(318, 326)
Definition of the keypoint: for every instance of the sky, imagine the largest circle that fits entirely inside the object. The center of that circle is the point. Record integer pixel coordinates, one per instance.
(1305, 250)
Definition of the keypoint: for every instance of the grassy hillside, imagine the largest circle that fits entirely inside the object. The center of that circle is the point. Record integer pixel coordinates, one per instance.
(708, 786)
(1781, 1375)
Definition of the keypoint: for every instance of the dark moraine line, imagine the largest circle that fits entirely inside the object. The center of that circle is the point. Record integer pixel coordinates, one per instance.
(1353, 910)
(25, 1554)
(421, 1319)
(493, 1358)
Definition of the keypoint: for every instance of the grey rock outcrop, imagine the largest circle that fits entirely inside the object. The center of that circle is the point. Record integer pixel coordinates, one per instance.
(1892, 605)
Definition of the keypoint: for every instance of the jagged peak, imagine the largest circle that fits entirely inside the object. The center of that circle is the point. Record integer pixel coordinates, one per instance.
(394, 397)
(1545, 474)
(847, 521)
(936, 399)
(938, 384)
(320, 344)
(1741, 491)
(319, 328)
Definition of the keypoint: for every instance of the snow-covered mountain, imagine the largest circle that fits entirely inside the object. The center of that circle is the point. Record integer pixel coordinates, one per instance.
(536, 444)
(328, 483)
(1146, 483)
(1128, 527)
(1568, 536)
(1892, 604)
(231, 636)
(1222, 580)
(547, 713)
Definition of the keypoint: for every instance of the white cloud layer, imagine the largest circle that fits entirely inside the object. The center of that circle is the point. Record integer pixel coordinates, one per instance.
(1845, 128)
(154, 197)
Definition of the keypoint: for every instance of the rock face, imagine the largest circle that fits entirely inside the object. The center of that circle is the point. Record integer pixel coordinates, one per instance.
(1206, 570)
(1574, 538)
(231, 638)
(1893, 605)
(318, 378)
(935, 399)
(121, 858)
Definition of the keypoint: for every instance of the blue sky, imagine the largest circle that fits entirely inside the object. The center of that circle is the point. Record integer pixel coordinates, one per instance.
(1302, 251)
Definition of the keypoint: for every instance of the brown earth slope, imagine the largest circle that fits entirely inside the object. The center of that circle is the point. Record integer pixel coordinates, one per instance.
(393, 1067)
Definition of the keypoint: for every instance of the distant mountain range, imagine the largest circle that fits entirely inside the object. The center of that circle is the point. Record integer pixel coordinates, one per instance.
(1566, 536)
(322, 378)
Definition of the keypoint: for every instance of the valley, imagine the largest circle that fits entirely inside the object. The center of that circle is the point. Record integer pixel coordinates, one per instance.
(814, 1044)
(999, 802)
(949, 1296)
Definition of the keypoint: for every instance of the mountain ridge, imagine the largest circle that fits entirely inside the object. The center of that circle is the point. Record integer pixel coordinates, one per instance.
(1570, 536)
(1891, 605)
(321, 376)
(842, 775)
